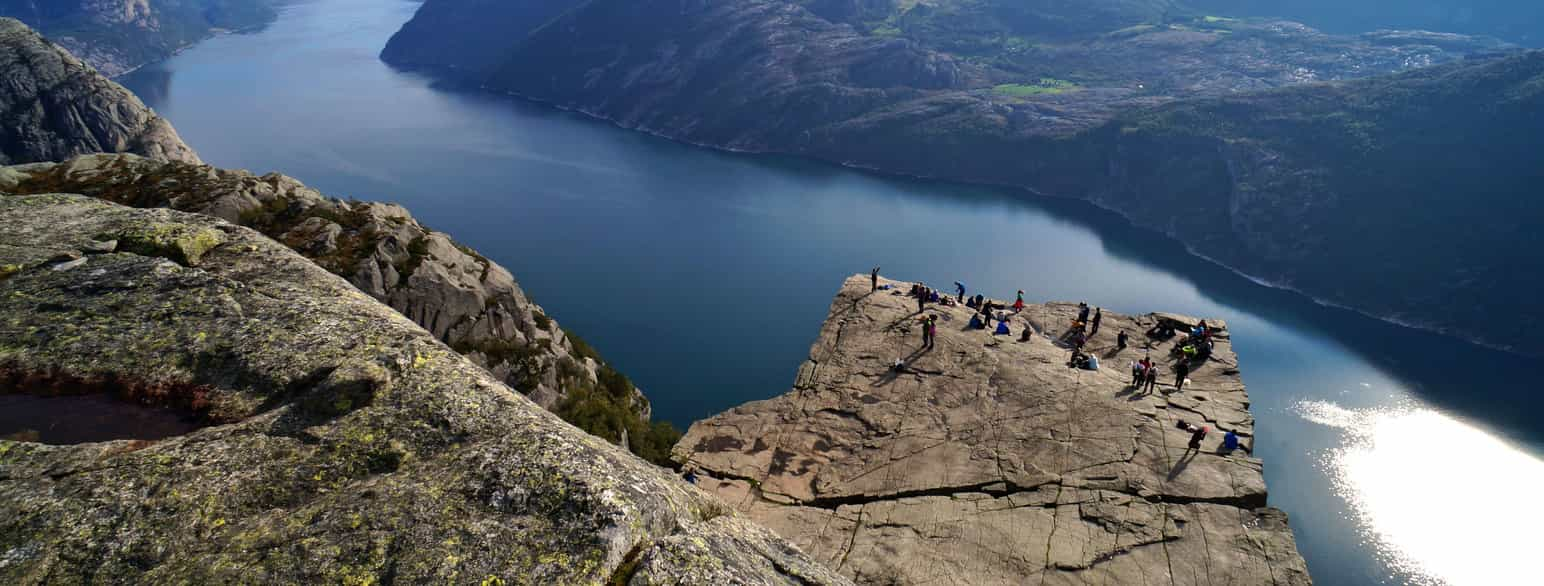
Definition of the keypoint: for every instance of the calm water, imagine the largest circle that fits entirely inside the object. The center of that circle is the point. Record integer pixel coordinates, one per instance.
(74, 419)
(705, 277)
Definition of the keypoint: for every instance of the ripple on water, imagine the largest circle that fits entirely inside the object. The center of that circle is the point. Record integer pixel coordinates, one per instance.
(1435, 495)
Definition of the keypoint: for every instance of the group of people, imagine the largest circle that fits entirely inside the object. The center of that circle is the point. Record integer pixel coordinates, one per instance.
(1144, 373)
(1198, 344)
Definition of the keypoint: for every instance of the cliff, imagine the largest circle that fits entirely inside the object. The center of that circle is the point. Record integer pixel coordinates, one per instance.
(987, 460)
(343, 443)
(1212, 130)
(465, 300)
(54, 107)
(117, 36)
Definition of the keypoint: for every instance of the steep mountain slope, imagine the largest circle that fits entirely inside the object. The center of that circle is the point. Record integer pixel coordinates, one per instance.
(53, 107)
(464, 299)
(964, 90)
(486, 31)
(116, 36)
(344, 443)
(467, 301)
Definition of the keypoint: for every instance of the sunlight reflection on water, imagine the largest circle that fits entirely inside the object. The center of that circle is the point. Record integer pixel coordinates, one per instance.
(1419, 482)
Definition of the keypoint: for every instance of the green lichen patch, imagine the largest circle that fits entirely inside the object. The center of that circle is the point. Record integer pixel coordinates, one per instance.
(182, 243)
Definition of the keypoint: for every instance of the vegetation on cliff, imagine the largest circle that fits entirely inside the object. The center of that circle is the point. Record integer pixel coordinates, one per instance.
(464, 299)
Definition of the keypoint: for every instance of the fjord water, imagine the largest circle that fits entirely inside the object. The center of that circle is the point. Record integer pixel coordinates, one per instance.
(1402, 457)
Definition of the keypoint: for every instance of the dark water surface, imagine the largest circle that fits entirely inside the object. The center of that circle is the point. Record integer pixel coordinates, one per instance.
(75, 419)
(705, 277)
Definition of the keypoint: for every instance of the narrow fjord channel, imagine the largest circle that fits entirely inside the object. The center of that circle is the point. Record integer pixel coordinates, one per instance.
(704, 276)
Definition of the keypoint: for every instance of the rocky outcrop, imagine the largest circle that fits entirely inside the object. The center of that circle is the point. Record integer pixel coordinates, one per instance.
(117, 36)
(54, 107)
(486, 31)
(462, 298)
(345, 443)
(987, 460)
(1214, 131)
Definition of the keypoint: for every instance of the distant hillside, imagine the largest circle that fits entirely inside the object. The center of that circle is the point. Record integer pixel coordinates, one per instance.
(116, 36)
(1518, 21)
(1247, 140)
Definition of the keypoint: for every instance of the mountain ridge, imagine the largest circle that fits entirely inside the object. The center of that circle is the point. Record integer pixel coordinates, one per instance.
(792, 92)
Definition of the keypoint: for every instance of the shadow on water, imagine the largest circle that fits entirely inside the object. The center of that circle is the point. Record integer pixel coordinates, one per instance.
(152, 83)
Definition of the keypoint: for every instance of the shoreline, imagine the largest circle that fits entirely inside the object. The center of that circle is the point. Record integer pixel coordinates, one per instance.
(450, 75)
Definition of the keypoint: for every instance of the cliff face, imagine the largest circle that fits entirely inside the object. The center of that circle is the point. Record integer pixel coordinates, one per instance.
(54, 107)
(486, 31)
(465, 300)
(116, 36)
(346, 443)
(987, 460)
(1000, 93)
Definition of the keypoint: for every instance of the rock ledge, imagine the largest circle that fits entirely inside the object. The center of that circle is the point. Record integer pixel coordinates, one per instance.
(989, 461)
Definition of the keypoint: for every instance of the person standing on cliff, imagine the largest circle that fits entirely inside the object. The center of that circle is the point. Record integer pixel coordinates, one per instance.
(874, 280)
(960, 289)
(1098, 317)
(932, 330)
(927, 333)
(1018, 305)
(1152, 379)
(921, 299)
(1197, 433)
(1181, 370)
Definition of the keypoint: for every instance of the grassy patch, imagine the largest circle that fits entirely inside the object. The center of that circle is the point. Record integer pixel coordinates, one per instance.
(1046, 86)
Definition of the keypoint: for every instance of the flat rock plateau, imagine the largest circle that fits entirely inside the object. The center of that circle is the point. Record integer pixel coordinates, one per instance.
(987, 460)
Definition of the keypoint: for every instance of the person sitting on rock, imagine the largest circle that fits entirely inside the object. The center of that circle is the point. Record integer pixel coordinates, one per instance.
(1229, 441)
(1078, 360)
(1028, 331)
(1189, 351)
(1120, 340)
(975, 321)
(1002, 328)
